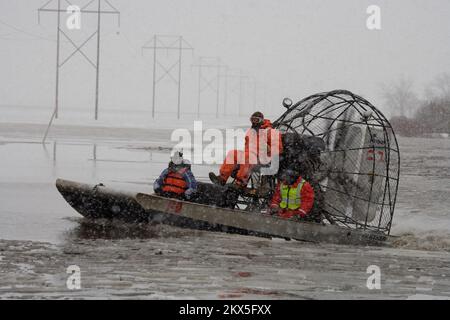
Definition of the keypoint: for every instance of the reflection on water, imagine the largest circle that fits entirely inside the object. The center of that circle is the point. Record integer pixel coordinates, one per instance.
(31, 208)
(103, 157)
(112, 154)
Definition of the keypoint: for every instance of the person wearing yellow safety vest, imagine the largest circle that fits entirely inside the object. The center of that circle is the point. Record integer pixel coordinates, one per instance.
(293, 196)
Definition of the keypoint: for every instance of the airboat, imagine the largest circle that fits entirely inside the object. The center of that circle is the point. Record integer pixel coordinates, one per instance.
(343, 145)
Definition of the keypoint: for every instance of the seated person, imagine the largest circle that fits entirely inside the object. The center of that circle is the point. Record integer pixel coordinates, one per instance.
(177, 181)
(260, 140)
(293, 197)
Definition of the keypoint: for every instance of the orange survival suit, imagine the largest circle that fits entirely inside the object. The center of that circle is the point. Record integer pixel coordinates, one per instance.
(263, 141)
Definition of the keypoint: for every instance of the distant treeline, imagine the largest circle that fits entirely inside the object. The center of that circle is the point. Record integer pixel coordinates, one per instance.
(431, 117)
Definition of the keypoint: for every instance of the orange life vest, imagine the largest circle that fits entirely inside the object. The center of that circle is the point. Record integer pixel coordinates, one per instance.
(174, 182)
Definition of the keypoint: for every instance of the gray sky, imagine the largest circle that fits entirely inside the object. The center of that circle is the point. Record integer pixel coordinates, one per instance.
(294, 47)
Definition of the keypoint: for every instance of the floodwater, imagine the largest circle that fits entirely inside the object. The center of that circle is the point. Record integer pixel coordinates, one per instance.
(32, 211)
(32, 208)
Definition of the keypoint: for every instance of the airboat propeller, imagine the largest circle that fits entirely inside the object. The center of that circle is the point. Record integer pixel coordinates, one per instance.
(348, 150)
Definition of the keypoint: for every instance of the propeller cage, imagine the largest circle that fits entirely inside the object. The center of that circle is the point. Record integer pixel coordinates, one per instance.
(356, 177)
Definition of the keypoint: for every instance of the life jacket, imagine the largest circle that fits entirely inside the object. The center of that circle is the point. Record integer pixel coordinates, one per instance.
(291, 197)
(174, 182)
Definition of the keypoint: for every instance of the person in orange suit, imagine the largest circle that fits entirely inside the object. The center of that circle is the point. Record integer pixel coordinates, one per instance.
(261, 140)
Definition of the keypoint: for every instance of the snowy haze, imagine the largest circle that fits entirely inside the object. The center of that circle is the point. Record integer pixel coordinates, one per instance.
(291, 47)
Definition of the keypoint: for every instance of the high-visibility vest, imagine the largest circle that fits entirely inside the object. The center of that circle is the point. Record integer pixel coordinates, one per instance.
(291, 197)
(174, 182)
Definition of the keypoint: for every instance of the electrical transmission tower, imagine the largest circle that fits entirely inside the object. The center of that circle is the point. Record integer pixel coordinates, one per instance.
(204, 82)
(258, 87)
(90, 7)
(167, 42)
(262, 89)
(233, 75)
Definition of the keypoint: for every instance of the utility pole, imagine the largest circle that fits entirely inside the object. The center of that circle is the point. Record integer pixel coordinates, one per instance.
(98, 59)
(213, 63)
(167, 42)
(47, 7)
(58, 33)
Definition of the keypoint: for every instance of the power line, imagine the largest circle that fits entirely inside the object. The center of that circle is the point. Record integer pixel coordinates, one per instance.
(130, 45)
(25, 32)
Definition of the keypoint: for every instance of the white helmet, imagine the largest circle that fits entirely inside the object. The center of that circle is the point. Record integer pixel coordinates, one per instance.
(177, 158)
